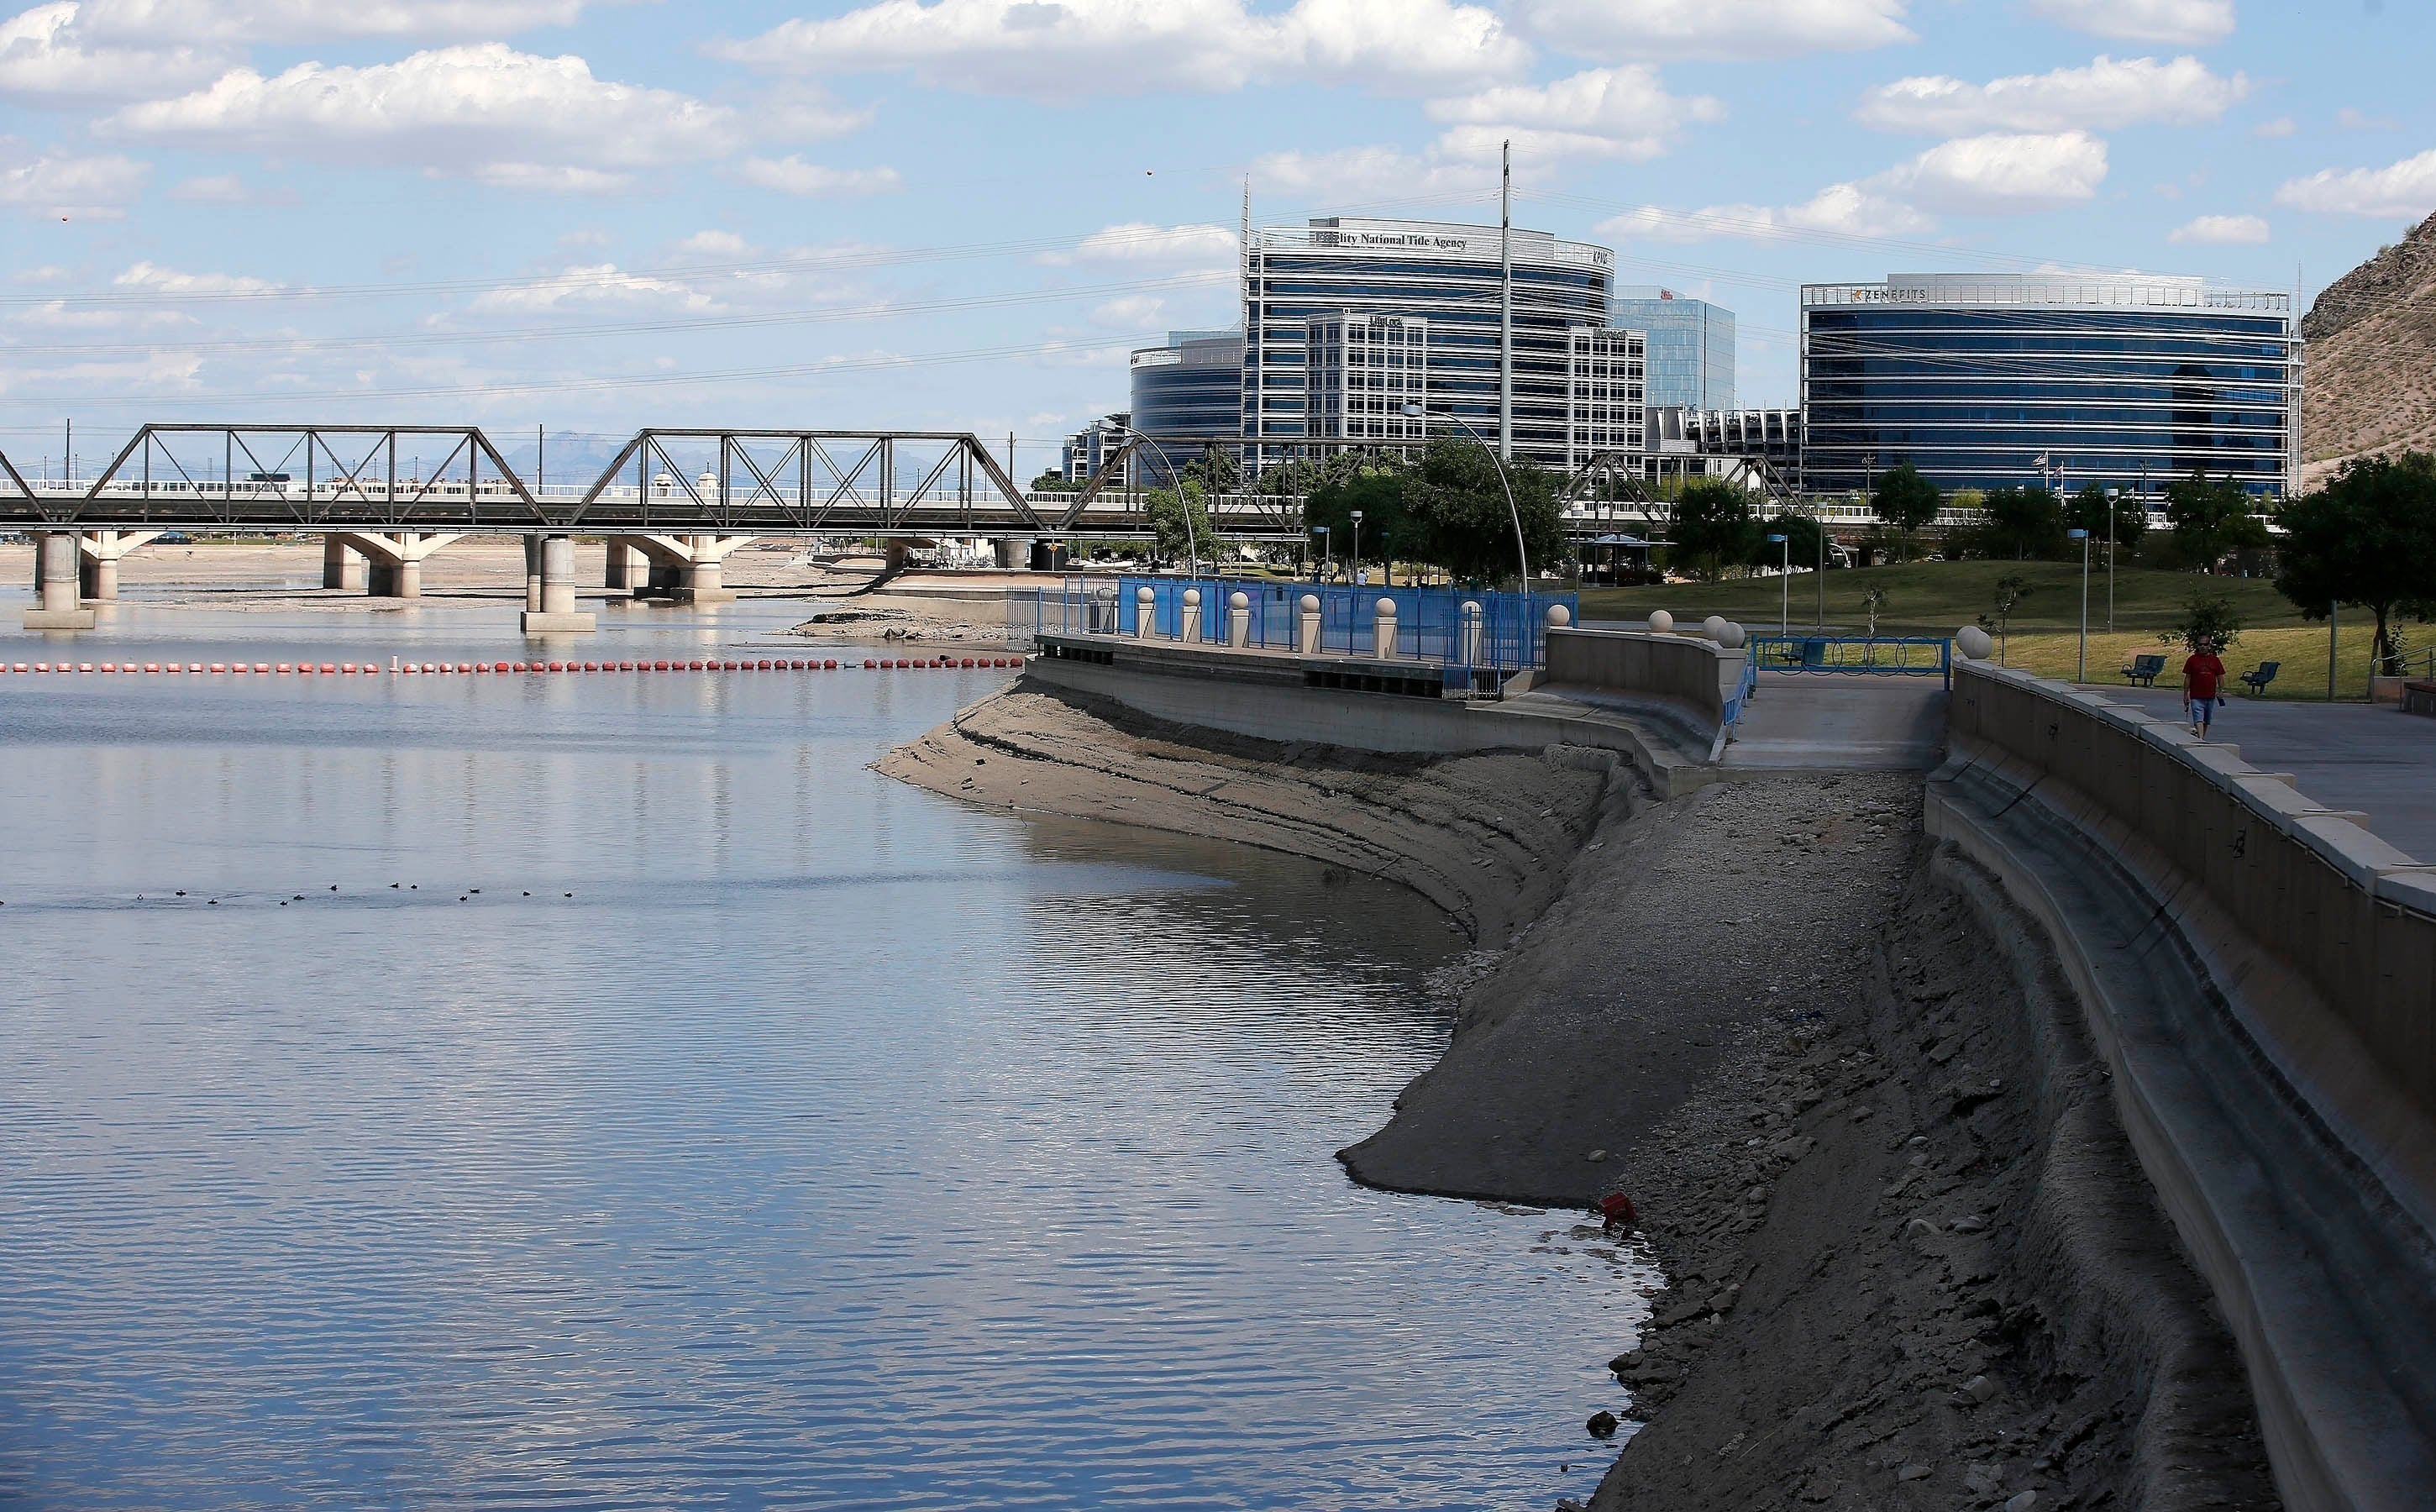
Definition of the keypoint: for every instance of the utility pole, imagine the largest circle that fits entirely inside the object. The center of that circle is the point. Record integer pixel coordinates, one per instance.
(1505, 309)
(539, 471)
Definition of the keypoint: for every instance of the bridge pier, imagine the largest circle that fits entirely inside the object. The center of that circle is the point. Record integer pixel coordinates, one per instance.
(395, 559)
(686, 568)
(57, 605)
(341, 567)
(99, 551)
(626, 568)
(550, 589)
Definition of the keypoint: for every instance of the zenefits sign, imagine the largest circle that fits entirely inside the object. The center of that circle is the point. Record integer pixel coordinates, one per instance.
(1888, 296)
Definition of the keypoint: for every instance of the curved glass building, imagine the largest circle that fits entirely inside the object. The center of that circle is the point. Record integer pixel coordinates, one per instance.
(1193, 386)
(1976, 378)
(1448, 275)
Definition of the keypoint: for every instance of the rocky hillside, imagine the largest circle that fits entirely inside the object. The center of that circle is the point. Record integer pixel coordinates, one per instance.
(2370, 381)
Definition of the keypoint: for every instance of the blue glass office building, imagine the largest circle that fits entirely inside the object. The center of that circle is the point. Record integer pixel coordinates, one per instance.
(1192, 385)
(1691, 359)
(1448, 275)
(1971, 377)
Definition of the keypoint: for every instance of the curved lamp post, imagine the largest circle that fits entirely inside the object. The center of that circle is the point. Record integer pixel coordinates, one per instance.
(1183, 505)
(1521, 553)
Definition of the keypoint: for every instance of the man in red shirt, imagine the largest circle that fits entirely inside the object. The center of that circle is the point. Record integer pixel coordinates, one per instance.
(2202, 678)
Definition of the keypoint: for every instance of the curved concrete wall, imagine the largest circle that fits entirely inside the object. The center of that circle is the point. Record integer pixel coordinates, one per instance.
(2260, 974)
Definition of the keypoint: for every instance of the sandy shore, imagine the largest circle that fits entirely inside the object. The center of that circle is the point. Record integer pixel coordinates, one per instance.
(1911, 1262)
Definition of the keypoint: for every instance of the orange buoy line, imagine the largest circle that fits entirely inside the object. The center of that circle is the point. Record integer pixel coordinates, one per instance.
(435, 668)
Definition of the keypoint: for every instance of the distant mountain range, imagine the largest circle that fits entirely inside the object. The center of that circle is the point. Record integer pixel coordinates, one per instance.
(2370, 385)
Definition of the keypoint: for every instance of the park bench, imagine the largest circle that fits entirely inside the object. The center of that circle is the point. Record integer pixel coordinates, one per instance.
(2258, 678)
(2144, 669)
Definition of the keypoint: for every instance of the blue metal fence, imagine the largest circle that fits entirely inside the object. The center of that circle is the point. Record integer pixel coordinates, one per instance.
(1430, 622)
(1861, 655)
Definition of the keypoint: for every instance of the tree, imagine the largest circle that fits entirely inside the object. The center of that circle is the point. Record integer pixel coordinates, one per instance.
(1172, 536)
(2212, 519)
(2367, 538)
(2090, 509)
(1713, 525)
(1054, 481)
(2206, 617)
(2020, 523)
(1907, 501)
(1800, 546)
(1871, 603)
(1458, 515)
(1379, 493)
(2010, 590)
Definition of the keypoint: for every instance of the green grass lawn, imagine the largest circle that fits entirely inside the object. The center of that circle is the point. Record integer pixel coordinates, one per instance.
(1939, 597)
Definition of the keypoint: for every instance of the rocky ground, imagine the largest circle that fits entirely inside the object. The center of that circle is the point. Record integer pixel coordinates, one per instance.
(1911, 1262)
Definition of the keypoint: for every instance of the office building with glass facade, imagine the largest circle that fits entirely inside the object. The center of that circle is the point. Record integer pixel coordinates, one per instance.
(1192, 385)
(1605, 393)
(1691, 346)
(1364, 371)
(1447, 276)
(1974, 377)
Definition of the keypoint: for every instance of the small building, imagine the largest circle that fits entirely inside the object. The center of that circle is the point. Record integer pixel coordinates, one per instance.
(1691, 345)
(1605, 394)
(1088, 447)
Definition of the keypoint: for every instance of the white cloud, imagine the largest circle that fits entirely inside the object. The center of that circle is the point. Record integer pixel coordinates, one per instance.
(156, 279)
(798, 113)
(2106, 94)
(46, 58)
(1604, 113)
(1133, 312)
(792, 175)
(1841, 209)
(599, 285)
(71, 188)
(2183, 22)
(58, 315)
(1632, 29)
(1364, 174)
(2352, 118)
(1058, 48)
(2407, 188)
(484, 110)
(2221, 231)
(257, 22)
(2281, 126)
(2000, 173)
(1138, 241)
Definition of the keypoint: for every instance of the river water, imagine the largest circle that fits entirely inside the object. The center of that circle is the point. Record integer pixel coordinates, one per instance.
(762, 1132)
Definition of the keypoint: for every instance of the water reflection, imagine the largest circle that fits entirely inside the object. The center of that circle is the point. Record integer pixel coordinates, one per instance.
(831, 1144)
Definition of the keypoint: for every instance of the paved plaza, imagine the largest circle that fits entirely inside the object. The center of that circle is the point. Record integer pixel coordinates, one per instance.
(2374, 758)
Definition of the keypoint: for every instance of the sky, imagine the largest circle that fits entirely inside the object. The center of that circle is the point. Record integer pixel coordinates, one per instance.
(959, 214)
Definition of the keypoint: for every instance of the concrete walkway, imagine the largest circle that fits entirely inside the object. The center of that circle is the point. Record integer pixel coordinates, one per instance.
(2372, 758)
(1817, 722)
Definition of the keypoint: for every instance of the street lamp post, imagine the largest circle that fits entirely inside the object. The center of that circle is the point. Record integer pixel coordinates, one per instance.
(1522, 552)
(1358, 579)
(1183, 505)
(2083, 674)
(1784, 587)
(1328, 548)
(2114, 508)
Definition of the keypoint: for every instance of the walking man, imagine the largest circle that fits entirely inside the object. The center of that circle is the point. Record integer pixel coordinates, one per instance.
(2203, 679)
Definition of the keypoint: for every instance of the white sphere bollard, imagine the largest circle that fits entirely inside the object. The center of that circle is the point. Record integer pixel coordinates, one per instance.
(1731, 636)
(1661, 622)
(1385, 606)
(1973, 643)
(1714, 628)
(1306, 625)
(1192, 598)
(1145, 612)
(1239, 600)
(1559, 616)
(1239, 619)
(1143, 596)
(1311, 603)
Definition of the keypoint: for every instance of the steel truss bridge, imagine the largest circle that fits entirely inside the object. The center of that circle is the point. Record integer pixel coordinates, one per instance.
(224, 477)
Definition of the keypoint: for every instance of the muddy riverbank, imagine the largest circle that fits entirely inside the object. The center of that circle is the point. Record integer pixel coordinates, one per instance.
(1911, 1262)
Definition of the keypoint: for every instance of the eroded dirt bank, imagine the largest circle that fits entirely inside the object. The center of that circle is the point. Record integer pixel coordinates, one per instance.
(1912, 1263)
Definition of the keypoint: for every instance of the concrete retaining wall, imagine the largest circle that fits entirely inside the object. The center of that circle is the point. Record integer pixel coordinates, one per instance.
(2260, 975)
(2353, 915)
(1667, 666)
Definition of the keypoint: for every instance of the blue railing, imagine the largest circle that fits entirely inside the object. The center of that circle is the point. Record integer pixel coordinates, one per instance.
(1430, 622)
(1744, 687)
(1859, 655)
